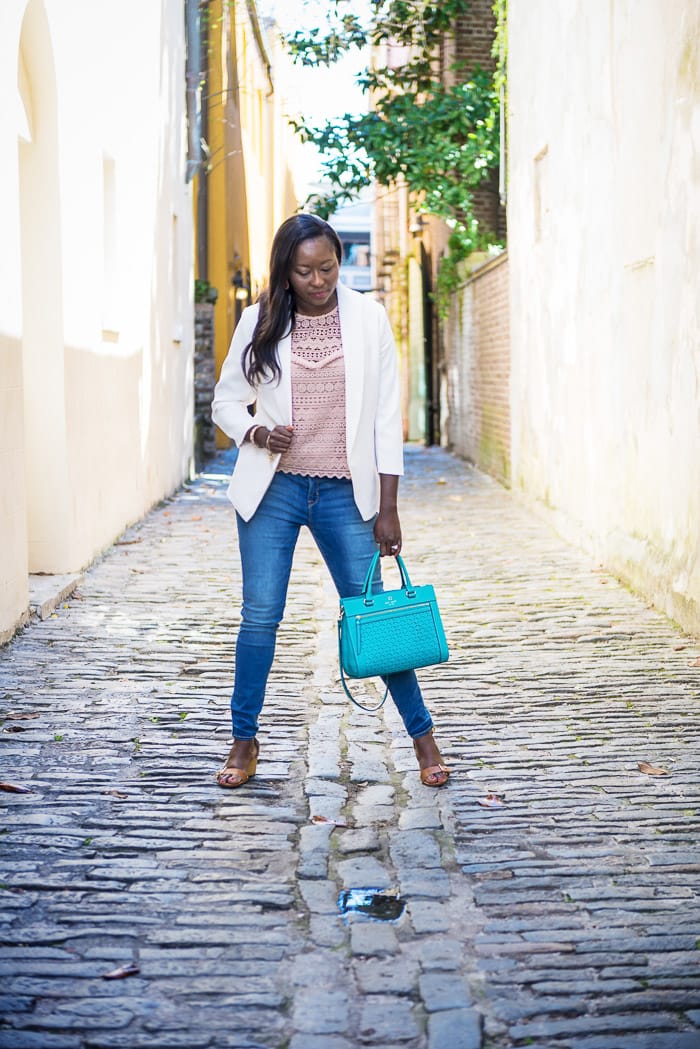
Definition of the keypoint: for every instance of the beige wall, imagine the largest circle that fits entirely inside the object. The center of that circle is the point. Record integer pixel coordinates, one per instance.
(13, 527)
(96, 324)
(604, 245)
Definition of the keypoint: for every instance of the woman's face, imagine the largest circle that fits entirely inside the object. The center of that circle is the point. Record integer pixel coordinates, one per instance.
(314, 276)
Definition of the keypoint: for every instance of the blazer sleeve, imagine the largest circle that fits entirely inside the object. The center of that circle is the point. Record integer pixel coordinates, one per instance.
(388, 426)
(233, 393)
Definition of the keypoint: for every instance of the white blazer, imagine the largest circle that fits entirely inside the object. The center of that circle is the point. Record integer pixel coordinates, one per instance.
(374, 432)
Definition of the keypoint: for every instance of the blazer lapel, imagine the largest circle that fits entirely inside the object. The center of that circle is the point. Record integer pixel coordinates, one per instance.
(354, 349)
(277, 396)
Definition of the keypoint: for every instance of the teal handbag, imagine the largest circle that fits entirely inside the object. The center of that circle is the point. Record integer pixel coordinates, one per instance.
(389, 631)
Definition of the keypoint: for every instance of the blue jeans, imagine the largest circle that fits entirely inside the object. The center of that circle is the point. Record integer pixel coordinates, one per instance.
(346, 542)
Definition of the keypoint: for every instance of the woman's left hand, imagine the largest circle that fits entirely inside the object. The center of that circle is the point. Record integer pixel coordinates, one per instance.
(387, 533)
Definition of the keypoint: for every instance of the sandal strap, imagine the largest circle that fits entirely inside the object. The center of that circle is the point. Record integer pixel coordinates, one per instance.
(230, 770)
(433, 770)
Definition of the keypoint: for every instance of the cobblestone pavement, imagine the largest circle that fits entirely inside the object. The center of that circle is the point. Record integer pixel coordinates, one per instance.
(566, 917)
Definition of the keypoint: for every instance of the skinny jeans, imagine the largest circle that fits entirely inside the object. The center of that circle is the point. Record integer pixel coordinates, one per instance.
(266, 542)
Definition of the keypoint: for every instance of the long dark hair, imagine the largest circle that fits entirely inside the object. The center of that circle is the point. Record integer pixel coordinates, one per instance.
(278, 302)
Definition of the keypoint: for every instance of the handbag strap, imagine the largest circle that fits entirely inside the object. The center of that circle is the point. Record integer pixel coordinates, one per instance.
(348, 693)
(367, 586)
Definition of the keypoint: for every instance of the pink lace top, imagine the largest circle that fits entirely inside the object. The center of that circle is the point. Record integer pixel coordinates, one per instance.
(318, 399)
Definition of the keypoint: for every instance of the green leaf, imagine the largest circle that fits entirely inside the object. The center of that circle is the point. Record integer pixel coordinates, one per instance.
(442, 140)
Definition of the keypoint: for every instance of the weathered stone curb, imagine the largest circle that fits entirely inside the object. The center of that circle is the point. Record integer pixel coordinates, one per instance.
(46, 592)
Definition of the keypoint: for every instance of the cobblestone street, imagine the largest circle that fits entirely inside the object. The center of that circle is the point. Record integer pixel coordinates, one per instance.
(567, 916)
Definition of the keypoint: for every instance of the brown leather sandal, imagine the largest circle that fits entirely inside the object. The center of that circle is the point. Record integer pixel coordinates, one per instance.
(431, 775)
(231, 776)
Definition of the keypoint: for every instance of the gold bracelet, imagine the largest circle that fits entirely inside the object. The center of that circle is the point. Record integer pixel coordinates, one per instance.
(251, 434)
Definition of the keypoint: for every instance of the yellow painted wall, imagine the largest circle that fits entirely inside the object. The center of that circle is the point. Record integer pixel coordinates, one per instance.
(250, 189)
(399, 278)
(227, 202)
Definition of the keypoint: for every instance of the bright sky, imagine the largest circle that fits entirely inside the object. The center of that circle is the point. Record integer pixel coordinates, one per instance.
(317, 94)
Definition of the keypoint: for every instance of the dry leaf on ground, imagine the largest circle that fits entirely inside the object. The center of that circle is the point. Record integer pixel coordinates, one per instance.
(491, 801)
(12, 788)
(130, 969)
(651, 770)
(325, 819)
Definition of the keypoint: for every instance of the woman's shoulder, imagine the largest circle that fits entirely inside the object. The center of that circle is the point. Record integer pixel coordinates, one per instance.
(249, 317)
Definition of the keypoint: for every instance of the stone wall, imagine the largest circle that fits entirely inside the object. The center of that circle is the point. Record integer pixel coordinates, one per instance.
(204, 382)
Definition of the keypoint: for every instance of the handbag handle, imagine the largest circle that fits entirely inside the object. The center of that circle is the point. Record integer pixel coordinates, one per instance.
(367, 587)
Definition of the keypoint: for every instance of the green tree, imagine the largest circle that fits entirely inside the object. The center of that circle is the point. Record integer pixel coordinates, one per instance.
(442, 141)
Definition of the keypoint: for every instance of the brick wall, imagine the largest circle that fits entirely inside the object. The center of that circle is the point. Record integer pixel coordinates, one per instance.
(474, 36)
(472, 44)
(477, 358)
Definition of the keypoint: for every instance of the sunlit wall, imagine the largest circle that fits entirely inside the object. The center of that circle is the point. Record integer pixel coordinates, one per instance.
(604, 244)
(95, 279)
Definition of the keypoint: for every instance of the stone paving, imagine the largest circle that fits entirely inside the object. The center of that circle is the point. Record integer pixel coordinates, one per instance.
(551, 891)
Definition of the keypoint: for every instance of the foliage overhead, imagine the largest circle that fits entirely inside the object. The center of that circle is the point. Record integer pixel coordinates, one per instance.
(441, 141)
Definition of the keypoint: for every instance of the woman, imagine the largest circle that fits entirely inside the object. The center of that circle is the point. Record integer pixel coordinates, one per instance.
(324, 449)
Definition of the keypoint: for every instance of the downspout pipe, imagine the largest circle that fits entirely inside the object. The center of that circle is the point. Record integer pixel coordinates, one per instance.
(503, 115)
(203, 180)
(196, 74)
(193, 79)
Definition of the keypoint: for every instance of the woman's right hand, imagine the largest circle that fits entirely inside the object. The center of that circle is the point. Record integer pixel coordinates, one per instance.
(277, 441)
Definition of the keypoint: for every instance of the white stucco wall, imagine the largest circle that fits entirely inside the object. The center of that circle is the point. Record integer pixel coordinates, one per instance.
(96, 322)
(604, 245)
